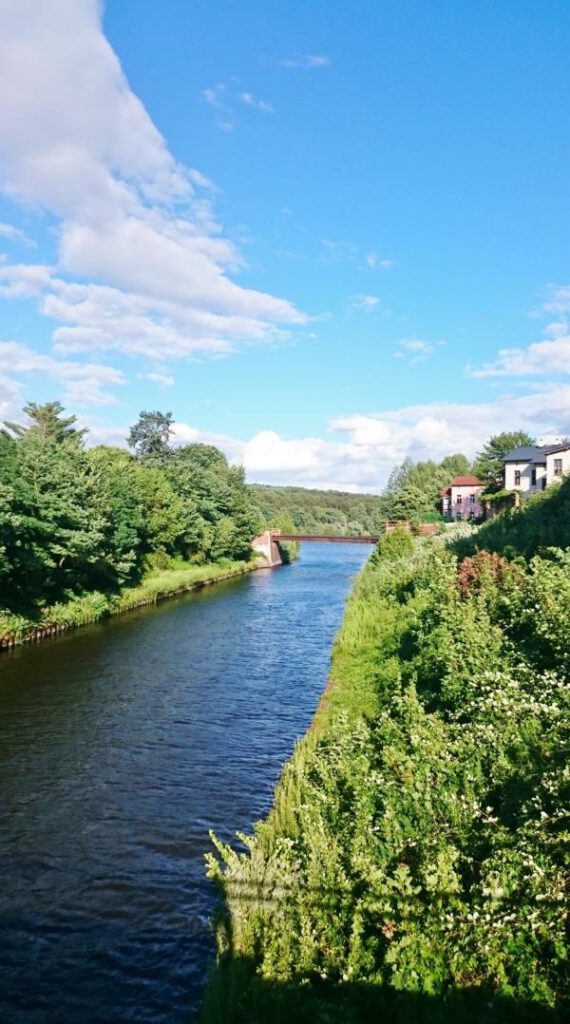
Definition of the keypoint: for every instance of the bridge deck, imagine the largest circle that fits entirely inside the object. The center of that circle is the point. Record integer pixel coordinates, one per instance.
(323, 538)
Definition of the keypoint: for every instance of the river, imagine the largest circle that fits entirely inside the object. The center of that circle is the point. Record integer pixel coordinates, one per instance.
(120, 746)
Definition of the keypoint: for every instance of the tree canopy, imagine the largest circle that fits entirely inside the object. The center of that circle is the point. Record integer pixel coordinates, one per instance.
(489, 462)
(150, 436)
(76, 519)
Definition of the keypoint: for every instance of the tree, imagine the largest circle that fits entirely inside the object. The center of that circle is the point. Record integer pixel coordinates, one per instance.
(150, 436)
(414, 488)
(48, 423)
(456, 465)
(489, 464)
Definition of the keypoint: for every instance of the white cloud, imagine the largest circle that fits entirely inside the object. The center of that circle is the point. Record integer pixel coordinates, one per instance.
(213, 95)
(376, 262)
(23, 280)
(371, 444)
(11, 392)
(75, 141)
(307, 60)
(541, 359)
(367, 446)
(83, 383)
(162, 379)
(365, 303)
(14, 234)
(559, 299)
(251, 101)
(418, 349)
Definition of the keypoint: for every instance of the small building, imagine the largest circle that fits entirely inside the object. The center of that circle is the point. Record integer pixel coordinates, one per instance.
(532, 468)
(461, 500)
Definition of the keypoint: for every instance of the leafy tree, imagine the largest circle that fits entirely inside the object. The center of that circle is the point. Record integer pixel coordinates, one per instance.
(48, 422)
(150, 436)
(163, 512)
(489, 462)
(414, 488)
(457, 465)
(116, 473)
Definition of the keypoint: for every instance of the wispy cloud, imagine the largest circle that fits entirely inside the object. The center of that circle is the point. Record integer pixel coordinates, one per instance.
(83, 383)
(14, 234)
(224, 99)
(545, 358)
(251, 101)
(558, 300)
(307, 60)
(213, 96)
(335, 251)
(377, 262)
(338, 252)
(364, 303)
(162, 379)
(417, 350)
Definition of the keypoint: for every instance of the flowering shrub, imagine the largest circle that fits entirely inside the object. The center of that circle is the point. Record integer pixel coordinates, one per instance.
(418, 842)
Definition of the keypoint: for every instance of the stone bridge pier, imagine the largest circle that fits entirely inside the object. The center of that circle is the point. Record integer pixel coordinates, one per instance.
(266, 545)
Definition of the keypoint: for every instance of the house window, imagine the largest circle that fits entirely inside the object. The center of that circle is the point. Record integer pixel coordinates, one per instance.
(558, 467)
(534, 477)
(459, 500)
(472, 499)
(517, 477)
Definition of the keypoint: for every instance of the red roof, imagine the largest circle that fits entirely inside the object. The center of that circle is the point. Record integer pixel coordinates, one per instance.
(466, 481)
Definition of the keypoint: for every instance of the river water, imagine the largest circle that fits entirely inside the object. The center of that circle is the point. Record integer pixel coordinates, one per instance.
(120, 746)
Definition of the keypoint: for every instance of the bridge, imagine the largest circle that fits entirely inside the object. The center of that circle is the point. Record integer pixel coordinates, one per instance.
(267, 544)
(322, 538)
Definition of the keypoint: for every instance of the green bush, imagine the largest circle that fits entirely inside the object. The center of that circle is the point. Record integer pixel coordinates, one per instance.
(416, 854)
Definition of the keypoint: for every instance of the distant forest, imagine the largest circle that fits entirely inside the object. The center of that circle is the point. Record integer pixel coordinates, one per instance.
(312, 511)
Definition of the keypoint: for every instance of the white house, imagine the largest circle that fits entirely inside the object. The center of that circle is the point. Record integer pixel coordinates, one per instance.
(461, 499)
(532, 468)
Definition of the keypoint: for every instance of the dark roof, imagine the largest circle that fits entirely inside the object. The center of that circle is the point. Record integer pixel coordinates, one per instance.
(534, 452)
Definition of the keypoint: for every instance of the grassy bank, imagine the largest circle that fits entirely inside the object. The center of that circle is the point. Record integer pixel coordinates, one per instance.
(78, 611)
(415, 860)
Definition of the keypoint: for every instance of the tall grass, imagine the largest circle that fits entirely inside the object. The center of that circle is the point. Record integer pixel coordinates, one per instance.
(413, 865)
(156, 586)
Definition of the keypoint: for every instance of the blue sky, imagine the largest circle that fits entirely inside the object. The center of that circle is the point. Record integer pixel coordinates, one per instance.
(326, 236)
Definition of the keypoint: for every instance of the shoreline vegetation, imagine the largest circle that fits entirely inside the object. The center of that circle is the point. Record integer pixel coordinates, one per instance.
(96, 606)
(414, 862)
(89, 532)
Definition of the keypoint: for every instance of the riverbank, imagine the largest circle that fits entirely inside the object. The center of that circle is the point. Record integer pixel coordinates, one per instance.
(413, 864)
(157, 586)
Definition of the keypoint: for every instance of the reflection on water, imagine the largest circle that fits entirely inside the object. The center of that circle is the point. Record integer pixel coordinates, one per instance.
(120, 746)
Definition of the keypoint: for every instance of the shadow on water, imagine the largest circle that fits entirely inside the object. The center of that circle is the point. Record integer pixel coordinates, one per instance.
(238, 996)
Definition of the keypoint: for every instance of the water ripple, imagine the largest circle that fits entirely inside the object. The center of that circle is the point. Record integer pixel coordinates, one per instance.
(120, 746)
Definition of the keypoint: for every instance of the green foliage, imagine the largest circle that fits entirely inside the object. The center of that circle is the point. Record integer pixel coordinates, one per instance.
(489, 465)
(48, 422)
(324, 512)
(394, 545)
(166, 577)
(417, 852)
(414, 488)
(541, 522)
(76, 520)
(150, 436)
